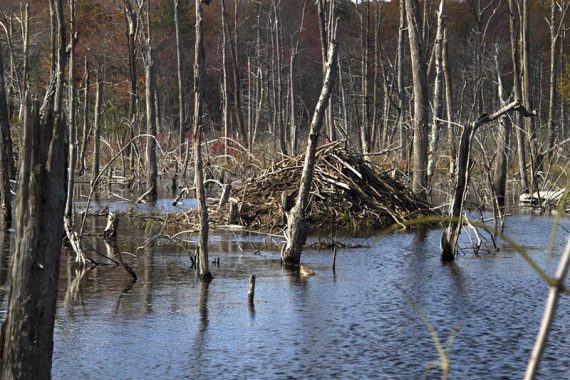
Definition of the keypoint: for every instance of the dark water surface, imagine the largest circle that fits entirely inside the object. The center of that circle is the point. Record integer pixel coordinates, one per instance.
(359, 323)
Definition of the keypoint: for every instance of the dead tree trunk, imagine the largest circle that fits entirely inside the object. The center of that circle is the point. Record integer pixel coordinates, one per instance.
(86, 129)
(515, 54)
(234, 52)
(199, 59)
(503, 142)
(420, 118)
(527, 98)
(150, 92)
(448, 105)
(180, 73)
(437, 93)
(225, 84)
(28, 329)
(400, 79)
(72, 125)
(296, 232)
(452, 231)
(97, 125)
(132, 27)
(5, 143)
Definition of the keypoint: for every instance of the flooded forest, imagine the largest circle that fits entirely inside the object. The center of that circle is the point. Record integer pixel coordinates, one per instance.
(285, 189)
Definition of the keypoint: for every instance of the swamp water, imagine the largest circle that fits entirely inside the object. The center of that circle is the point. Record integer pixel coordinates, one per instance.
(358, 323)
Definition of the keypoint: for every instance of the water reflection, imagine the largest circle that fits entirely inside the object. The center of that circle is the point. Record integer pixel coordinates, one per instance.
(199, 348)
(355, 323)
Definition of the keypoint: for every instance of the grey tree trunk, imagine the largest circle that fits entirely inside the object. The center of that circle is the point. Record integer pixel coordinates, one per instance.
(199, 69)
(448, 105)
(400, 79)
(527, 97)
(421, 103)
(297, 229)
(97, 125)
(150, 92)
(86, 130)
(180, 73)
(451, 233)
(28, 329)
(234, 52)
(131, 24)
(515, 55)
(225, 84)
(72, 119)
(503, 142)
(437, 93)
(5, 150)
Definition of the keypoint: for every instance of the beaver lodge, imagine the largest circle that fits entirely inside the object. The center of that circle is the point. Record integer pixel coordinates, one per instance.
(346, 193)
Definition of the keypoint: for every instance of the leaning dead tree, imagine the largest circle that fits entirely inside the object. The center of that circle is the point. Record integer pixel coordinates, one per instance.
(297, 228)
(27, 338)
(199, 70)
(452, 231)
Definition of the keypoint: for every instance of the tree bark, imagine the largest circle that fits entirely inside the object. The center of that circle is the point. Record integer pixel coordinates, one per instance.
(72, 125)
(503, 142)
(150, 94)
(86, 129)
(180, 74)
(421, 104)
(296, 232)
(437, 93)
(451, 233)
(28, 329)
(5, 143)
(515, 55)
(97, 125)
(199, 59)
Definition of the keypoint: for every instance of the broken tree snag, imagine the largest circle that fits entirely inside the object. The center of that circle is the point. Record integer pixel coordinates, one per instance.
(110, 237)
(296, 232)
(251, 290)
(111, 227)
(453, 229)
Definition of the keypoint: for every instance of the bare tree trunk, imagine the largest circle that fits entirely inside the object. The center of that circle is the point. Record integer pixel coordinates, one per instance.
(297, 228)
(225, 85)
(451, 233)
(72, 119)
(5, 143)
(503, 141)
(86, 129)
(364, 106)
(180, 72)
(448, 105)
(150, 94)
(527, 97)
(420, 119)
(279, 82)
(234, 52)
(437, 93)
(199, 59)
(131, 26)
(518, 96)
(28, 329)
(97, 126)
(293, 128)
(400, 79)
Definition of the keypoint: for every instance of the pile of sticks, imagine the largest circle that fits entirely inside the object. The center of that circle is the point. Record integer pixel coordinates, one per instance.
(346, 192)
